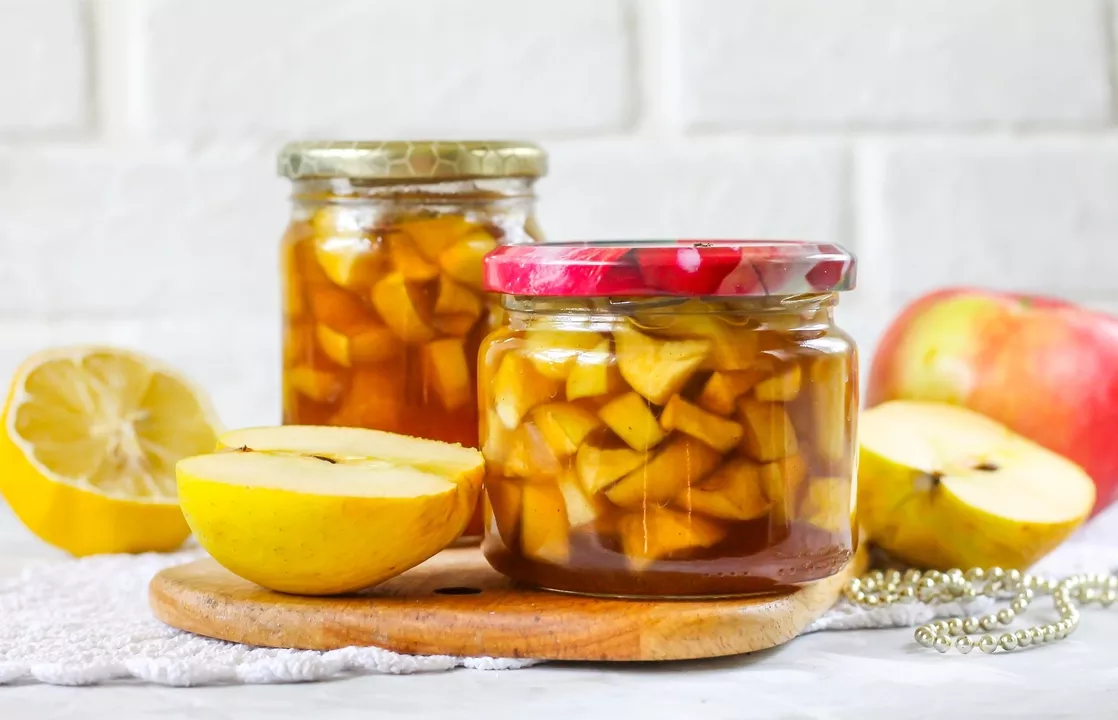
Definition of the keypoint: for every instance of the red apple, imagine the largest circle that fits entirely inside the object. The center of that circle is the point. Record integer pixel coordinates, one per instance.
(1045, 368)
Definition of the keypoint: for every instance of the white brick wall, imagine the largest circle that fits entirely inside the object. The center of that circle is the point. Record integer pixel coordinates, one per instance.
(943, 140)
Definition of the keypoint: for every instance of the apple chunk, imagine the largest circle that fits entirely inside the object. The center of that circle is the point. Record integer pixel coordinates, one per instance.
(657, 369)
(718, 432)
(769, 434)
(582, 508)
(632, 420)
(544, 532)
(553, 352)
(599, 466)
(781, 387)
(722, 389)
(444, 366)
(401, 309)
(564, 426)
(517, 388)
(680, 461)
(734, 492)
(942, 486)
(593, 374)
(659, 532)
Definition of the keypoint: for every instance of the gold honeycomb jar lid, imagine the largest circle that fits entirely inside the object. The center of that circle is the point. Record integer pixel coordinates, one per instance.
(410, 159)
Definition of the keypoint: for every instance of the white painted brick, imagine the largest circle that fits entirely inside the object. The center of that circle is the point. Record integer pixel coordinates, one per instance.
(93, 233)
(632, 189)
(42, 66)
(1036, 215)
(807, 63)
(382, 68)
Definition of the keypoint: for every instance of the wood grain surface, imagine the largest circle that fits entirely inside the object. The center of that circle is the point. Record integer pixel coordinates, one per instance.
(455, 604)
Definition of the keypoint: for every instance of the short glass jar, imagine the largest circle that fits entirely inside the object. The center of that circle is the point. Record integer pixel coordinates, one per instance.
(381, 275)
(669, 419)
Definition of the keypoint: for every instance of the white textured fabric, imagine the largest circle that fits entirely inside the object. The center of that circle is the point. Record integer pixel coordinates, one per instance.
(87, 621)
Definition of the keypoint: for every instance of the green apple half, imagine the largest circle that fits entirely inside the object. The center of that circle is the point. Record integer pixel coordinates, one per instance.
(940, 486)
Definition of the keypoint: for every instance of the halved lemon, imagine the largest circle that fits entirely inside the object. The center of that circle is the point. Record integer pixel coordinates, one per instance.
(88, 450)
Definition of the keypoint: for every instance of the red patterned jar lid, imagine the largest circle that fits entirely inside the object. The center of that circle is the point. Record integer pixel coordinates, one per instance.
(725, 268)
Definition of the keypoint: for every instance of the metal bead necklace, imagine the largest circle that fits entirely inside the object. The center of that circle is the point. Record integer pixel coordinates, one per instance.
(885, 588)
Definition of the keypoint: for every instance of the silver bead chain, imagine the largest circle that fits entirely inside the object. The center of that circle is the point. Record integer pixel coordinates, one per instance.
(885, 588)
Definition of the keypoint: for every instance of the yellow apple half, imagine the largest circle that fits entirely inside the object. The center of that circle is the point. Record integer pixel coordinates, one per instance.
(325, 510)
(941, 486)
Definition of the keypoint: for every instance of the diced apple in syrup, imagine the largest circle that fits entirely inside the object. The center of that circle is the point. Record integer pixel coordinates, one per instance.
(374, 400)
(504, 497)
(349, 261)
(781, 387)
(593, 374)
(434, 235)
(827, 504)
(444, 365)
(769, 434)
(399, 308)
(658, 532)
(600, 466)
(408, 261)
(734, 492)
(455, 299)
(564, 426)
(782, 480)
(364, 343)
(631, 419)
(718, 432)
(517, 388)
(318, 385)
(681, 461)
(582, 508)
(463, 260)
(731, 347)
(553, 352)
(830, 410)
(337, 309)
(723, 388)
(496, 439)
(530, 456)
(655, 368)
(544, 532)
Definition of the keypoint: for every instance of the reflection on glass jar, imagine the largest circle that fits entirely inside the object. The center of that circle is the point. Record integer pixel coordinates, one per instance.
(382, 269)
(669, 419)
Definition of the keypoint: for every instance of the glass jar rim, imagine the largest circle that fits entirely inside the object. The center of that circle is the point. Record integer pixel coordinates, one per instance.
(679, 268)
(410, 159)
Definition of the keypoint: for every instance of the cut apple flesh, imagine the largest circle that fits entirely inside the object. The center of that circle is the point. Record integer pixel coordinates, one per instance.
(945, 487)
(553, 352)
(680, 462)
(659, 532)
(717, 432)
(781, 387)
(735, 492)
(631, 419)
(545, 530)
(655, 368)
(444, 364)
(398, 305)
(517, 388)
(317, 510)
(769, 434)
(599, 467)
(564, 426)
(593, 374)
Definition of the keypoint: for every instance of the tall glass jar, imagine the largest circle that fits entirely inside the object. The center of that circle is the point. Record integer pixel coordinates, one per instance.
(381, 275)
(669, 418)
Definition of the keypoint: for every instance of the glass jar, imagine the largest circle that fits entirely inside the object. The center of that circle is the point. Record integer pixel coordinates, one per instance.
(669, 419)
(382, 269)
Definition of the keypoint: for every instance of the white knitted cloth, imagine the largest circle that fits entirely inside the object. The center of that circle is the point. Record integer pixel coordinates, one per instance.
(87, 621)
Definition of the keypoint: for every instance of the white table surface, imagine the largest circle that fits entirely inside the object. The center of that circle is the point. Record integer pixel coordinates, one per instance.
(853, 674)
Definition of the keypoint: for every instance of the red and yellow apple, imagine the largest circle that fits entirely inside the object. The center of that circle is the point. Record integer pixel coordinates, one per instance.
(1046, 369)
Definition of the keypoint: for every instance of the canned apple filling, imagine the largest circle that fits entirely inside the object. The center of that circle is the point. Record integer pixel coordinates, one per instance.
(669, 418)
(382, 268)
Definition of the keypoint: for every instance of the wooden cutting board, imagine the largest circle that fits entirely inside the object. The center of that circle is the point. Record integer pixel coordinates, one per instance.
(455, 604)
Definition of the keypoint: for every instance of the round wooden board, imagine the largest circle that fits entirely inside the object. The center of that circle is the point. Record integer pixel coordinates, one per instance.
(455, 604)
